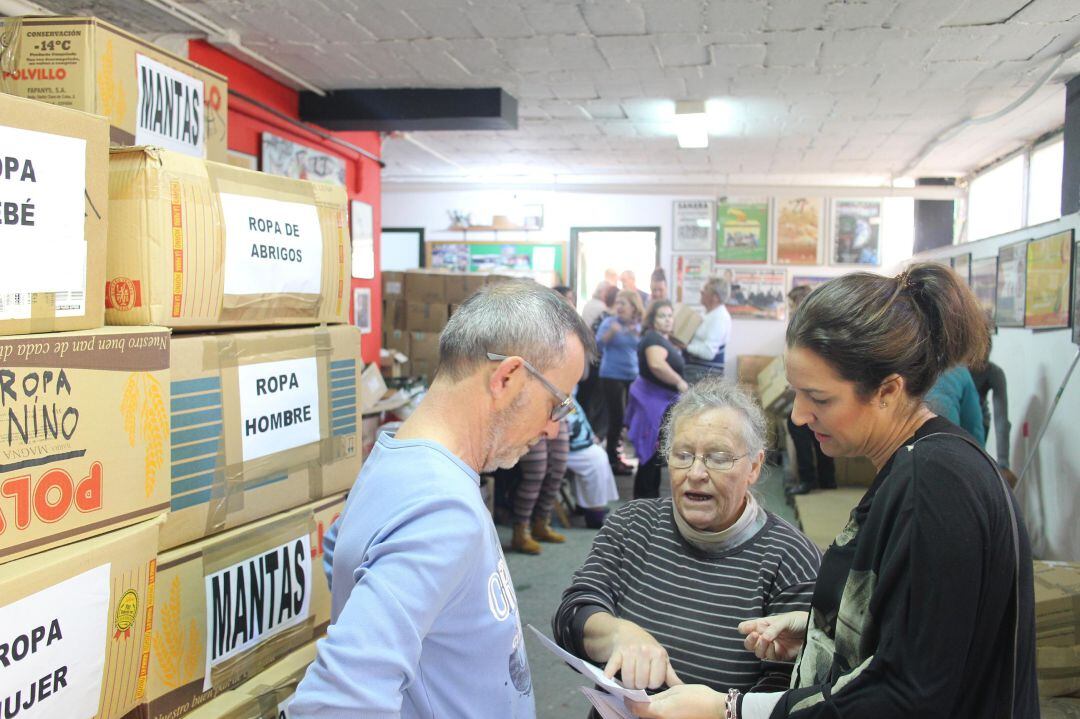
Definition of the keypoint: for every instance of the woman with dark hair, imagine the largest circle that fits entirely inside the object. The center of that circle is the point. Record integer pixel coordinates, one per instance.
(924, 603)
(617, 338)
(659, 383)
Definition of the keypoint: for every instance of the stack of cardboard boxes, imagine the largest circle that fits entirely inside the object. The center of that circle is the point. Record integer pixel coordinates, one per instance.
(1057, 628)
(164, 485)
(416, 307)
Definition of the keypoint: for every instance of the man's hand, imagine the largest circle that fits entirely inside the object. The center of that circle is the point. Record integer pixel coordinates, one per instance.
(777, 638)
(689, 701)
(639, 657)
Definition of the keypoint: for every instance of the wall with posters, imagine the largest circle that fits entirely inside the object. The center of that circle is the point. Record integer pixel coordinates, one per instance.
(248, 122)
(428, 207)
(1035, 362)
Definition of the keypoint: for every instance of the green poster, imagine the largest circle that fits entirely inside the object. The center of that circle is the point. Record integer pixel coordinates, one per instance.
(539, 259)
(742, 230)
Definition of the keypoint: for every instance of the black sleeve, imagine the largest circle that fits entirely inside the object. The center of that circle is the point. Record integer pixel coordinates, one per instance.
(934, 560)
(596, 586)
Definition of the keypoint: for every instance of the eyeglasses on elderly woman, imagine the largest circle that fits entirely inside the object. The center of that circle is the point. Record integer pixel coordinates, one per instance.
(713, 461)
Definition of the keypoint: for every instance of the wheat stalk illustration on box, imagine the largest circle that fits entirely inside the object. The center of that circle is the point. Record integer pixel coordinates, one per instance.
(143, 408)
(178, 657)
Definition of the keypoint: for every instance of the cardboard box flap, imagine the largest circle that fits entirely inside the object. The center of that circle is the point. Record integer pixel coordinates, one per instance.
(265, 695)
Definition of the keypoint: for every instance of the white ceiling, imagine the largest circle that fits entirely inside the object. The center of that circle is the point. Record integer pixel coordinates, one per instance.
(813, 91)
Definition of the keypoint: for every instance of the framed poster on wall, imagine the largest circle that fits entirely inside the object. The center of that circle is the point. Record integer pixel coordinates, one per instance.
(799, 224)
(362, 309)
(691, 273)
(1049, 266)
(1011, 278)
(742, 231)
(856, 232)
(290, 159)
(693, 225)
(984, 284)
(756, 293)
(1076, 293)
(363, 240)
(811, 281)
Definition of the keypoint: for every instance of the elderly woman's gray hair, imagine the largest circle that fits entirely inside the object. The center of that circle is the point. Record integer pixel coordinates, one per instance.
(715, 393)
(719, 287)
(515, 318)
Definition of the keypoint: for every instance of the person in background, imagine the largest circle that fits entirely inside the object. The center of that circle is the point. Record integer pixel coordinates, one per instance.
(629, 284)
(591, 310)
(659, 598)
(991, 378)
(543, 469)
(424, 618)
(816, 470)
(660, 381)
(589, 393)
(567, 294)
(955, 398)
(705, 352)
(924, 606)
(617, 337)
(658, 285)
(611, 277)
(594, 484)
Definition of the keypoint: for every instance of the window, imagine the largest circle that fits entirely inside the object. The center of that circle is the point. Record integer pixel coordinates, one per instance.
(1044, 183)
(996, 200)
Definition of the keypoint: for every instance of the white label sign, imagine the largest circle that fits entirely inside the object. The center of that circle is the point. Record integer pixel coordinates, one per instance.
(170, 113)
(279, 406)
(363, 241)
(51, 659)
(252, 600)
(271, 246)
(42, 206)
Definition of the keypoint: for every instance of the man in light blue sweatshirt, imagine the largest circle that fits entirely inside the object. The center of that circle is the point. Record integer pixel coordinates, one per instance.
(424, 621)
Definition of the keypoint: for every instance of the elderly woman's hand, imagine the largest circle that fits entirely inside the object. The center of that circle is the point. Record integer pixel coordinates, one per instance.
(643, 662)
(777, 638)
(689, 701)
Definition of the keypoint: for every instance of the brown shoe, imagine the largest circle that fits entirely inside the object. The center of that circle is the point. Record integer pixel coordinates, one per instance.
(541, 530)
(523, 541)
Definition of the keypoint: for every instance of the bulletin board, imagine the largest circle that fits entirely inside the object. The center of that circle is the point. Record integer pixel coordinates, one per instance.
(543, 261)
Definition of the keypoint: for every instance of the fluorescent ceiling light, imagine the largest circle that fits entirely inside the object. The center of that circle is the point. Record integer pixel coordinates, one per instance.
(691, 125)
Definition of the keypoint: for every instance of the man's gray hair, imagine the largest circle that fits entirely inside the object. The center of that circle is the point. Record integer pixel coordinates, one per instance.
(716, 393)
(515, 318)
(719, 287)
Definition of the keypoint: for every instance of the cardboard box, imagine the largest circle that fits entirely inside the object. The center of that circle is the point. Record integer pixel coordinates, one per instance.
(399, 340)
(393, 284)
(424, 345)
(1058, 670)
(264, 696)
(195, 244)
(772, 387)
(425, 287)
(86, 609)
(216, 621)
(854, 471)
(85, 434)
(372, 387)
(687, 320)
(1057, 604)
(747, 369)
(422, 317)
(150, 97)
(262, 421)
(54, 213)
(394, 314)
(460, 286)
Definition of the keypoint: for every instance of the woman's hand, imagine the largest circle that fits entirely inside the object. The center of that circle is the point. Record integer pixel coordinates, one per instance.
(688, 701)
(643, 662)
(777, 638)
(682, 386)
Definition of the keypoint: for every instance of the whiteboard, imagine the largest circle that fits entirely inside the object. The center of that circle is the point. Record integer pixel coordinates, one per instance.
(400, 249)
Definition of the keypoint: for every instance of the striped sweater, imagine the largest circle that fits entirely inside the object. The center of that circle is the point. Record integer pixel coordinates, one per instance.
(642, 570)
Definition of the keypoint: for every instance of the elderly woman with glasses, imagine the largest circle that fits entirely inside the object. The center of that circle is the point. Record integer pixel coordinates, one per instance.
(661, 594)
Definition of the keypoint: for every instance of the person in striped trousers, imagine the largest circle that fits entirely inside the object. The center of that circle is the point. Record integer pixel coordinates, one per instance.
(542, 472)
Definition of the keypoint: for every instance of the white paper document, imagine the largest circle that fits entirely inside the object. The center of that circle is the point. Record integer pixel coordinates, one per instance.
(607, 706)
(612, 686)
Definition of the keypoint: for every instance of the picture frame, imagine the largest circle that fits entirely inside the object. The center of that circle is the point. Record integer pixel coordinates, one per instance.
(856, 232)
(1049, 277)
(811, 281)
(692, 225)
(742, 231)
(532, 217)
(362, 309)
(362, 226)
(984, 272)
(1011, 285)
(691, 274)
(800, 225)
(756, 292)
(291, 159)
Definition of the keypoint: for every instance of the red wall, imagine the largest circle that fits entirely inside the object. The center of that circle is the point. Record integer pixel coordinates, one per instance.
(247, 121)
